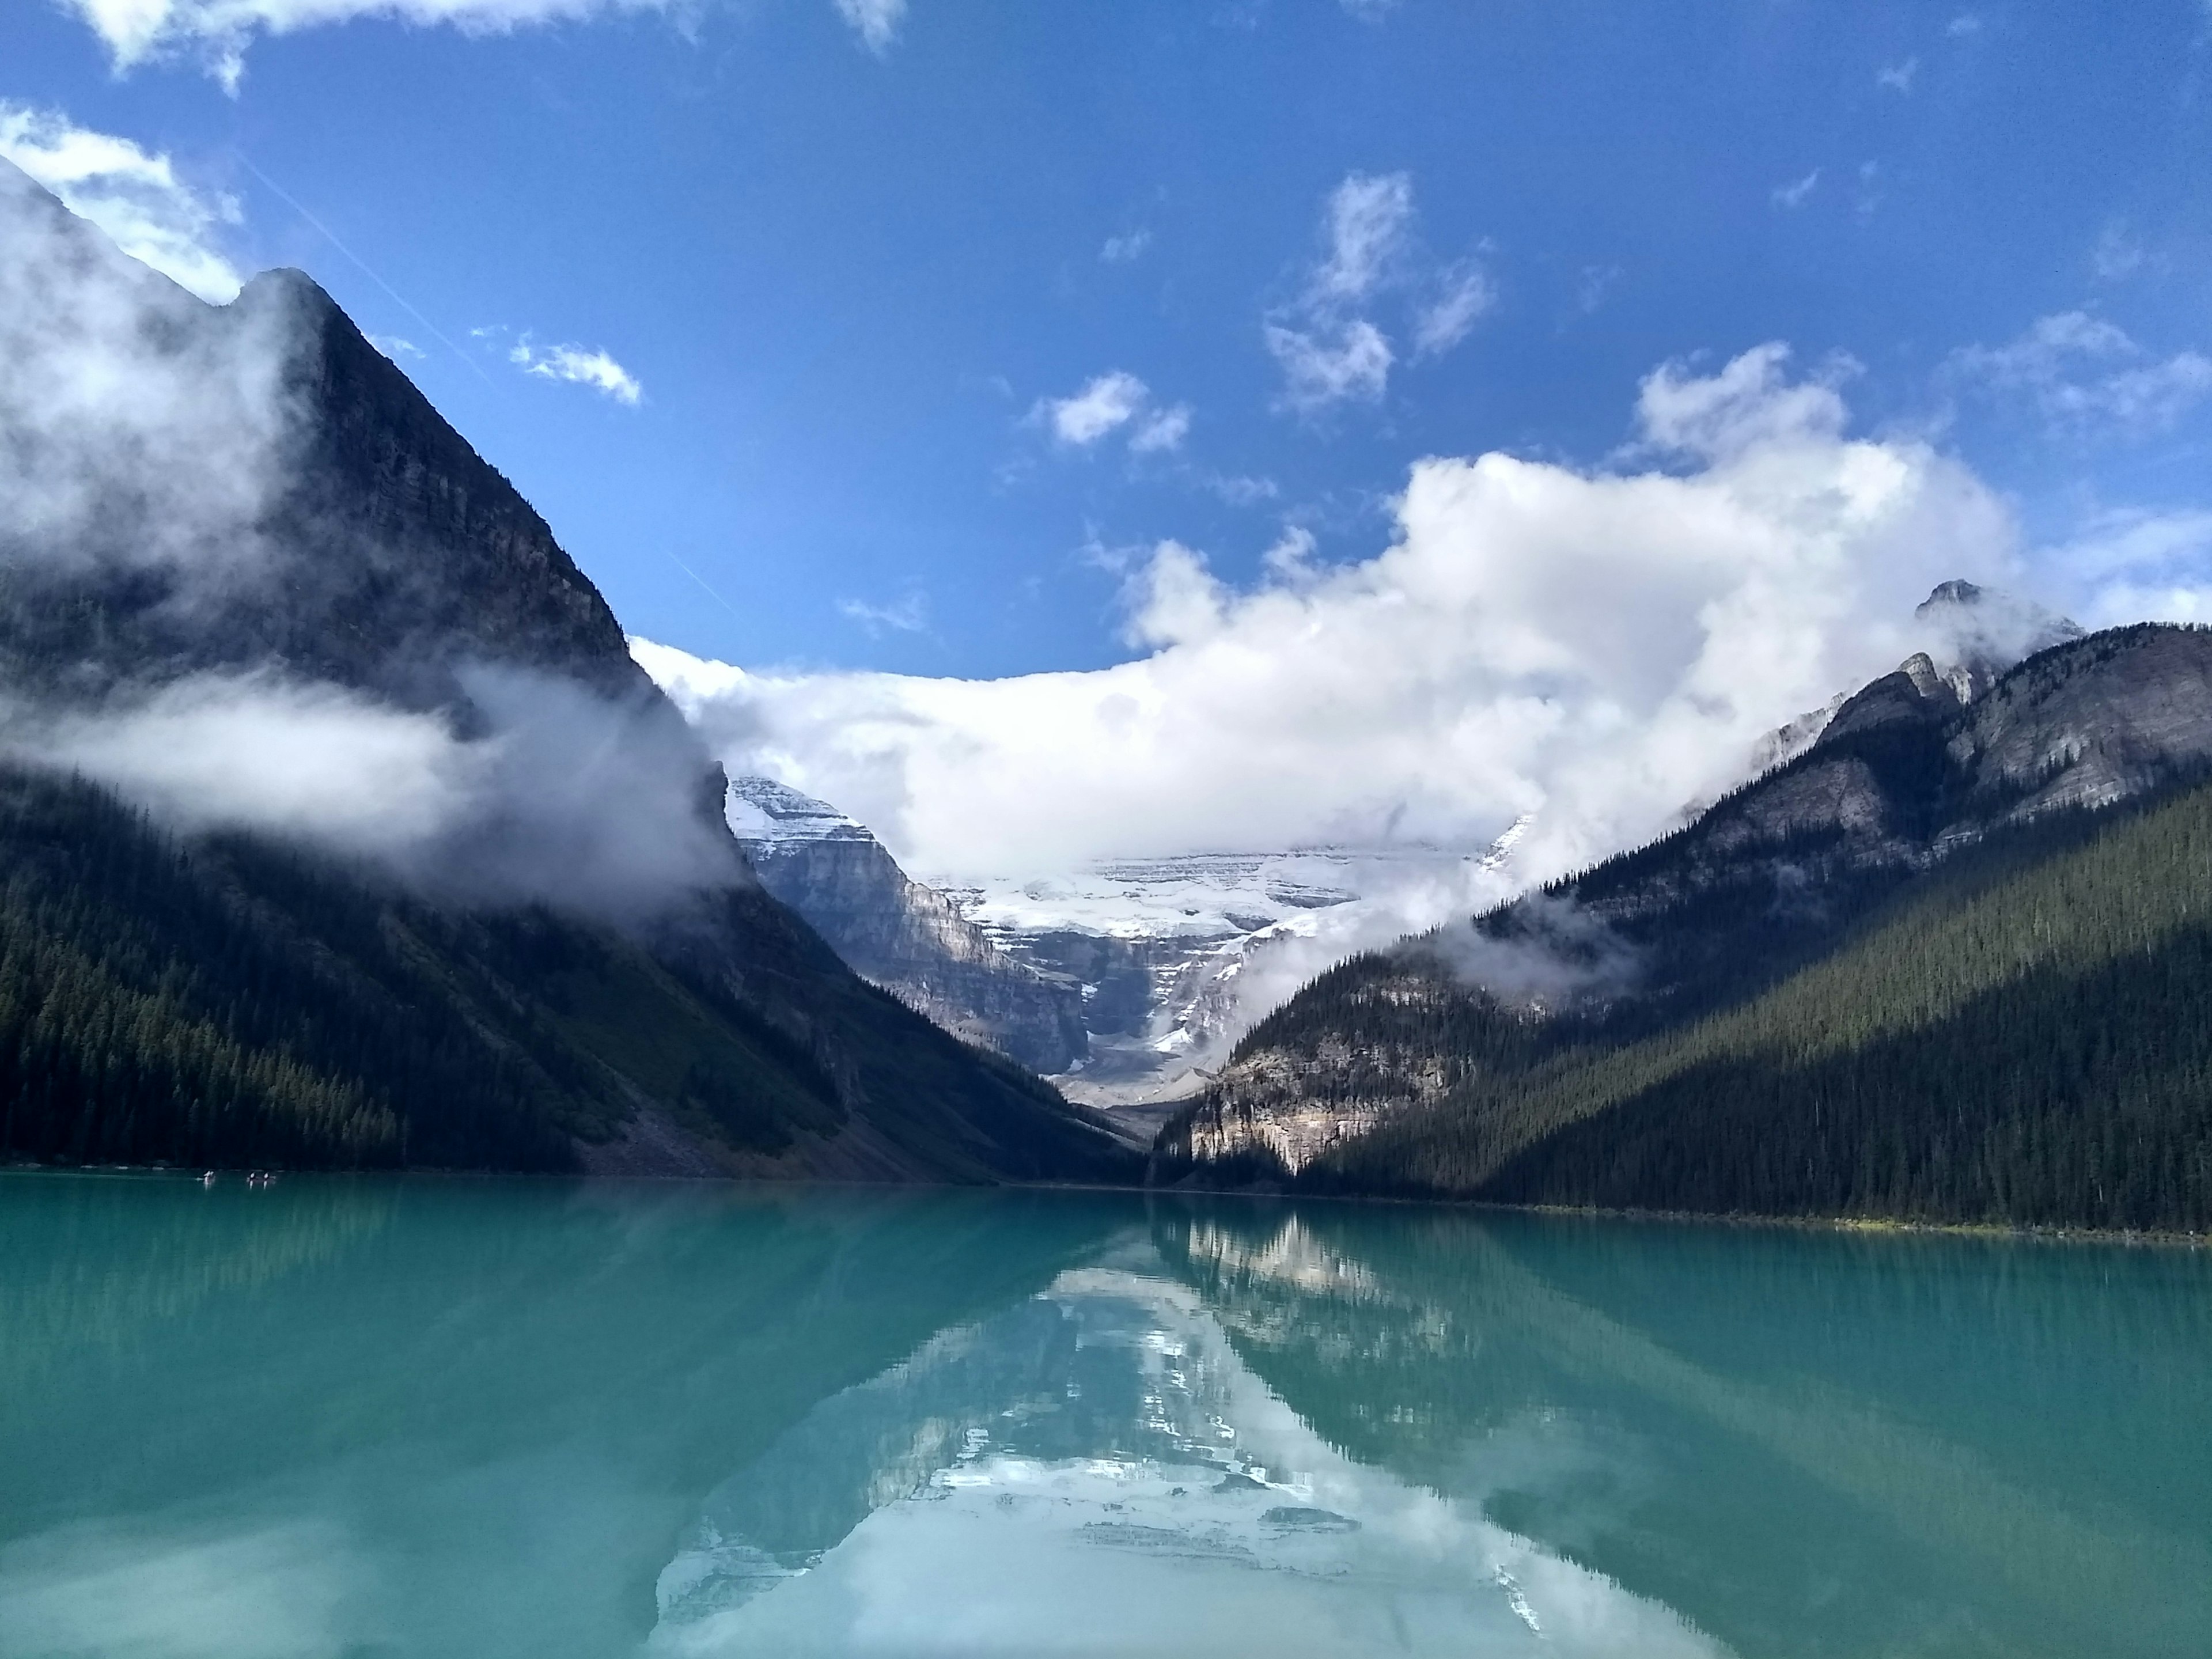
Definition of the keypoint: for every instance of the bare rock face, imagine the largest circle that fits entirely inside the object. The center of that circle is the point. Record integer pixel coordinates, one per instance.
(902, 935)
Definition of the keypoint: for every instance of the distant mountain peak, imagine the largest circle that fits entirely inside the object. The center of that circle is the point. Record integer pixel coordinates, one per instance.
(762, 809)
(1974, 634)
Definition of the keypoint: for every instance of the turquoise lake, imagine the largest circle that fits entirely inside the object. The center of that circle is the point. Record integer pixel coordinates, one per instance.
(486, 1417)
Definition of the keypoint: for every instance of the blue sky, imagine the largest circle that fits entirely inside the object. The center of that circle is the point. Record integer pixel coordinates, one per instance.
(864, 271)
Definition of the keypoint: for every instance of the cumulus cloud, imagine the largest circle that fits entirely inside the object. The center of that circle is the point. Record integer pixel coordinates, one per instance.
(1589, 648)
(133, 195)
(2084, 377)
(571, 363)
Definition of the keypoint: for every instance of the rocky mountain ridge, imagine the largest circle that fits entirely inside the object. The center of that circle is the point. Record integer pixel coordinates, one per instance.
(1906, 774)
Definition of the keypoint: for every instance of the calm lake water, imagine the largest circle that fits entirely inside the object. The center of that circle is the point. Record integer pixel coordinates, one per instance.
(428, 1416)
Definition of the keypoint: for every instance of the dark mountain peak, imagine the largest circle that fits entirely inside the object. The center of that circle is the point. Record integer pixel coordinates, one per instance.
(1914, 692)
(1958, 591)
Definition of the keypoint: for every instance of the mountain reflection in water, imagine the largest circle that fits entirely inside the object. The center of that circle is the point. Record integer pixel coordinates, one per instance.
(463, 1418)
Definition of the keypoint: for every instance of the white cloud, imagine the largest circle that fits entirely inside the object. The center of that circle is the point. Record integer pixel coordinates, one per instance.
(1369, 220)
(571, 363)
(219, 32)
(1327, 342)
(134, 196)
(907, 616)
(2085, 378)
(1163, 429)
(1595, 647)
(1320, 368)
(1868, 199)
(876, 22)
(2118, 255)
(1369, 11)
(1898, 77)
(1964, 24)
(2134, 565)
(1240, 489)
(1596, 285)
(1108, 402)
(1120, 250)
(395, 346)
(1794, 194)
(1465, 293)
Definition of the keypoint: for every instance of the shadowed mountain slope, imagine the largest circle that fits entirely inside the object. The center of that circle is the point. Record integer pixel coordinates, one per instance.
(1948, 964)
(580, 972)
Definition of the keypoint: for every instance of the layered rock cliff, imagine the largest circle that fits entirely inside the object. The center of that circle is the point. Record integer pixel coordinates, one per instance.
(897, 934)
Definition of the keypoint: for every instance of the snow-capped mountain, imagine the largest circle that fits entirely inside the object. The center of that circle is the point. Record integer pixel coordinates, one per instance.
(1138, 975)
(1176, 955)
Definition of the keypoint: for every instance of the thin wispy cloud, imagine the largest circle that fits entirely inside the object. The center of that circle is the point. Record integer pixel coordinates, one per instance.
(1964, 24)
(909, 615)
(1123, 249)
(2084, 378)
(132, 193)
(1113, 402)
(395, 346)
(2118, 255)
(1162, 430)
(1898, 77)
(1325, 366)
(1369, 222)
(876, 22)
(577, 367)
(219, 32)
(1464, 293)
(1596, 286)
(1796, 191)
(1326, 341)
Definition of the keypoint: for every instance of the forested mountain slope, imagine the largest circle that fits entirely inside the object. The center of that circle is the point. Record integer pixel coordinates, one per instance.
(270, 526)
(1951, 965)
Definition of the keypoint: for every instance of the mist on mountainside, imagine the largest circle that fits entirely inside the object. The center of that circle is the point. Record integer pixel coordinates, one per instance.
(156, 455)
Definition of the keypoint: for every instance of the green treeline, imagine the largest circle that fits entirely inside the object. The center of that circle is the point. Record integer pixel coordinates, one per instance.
(2023, 1037)
(229, 1003)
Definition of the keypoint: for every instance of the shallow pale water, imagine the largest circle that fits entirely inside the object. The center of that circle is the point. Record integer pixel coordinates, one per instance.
(428, 1416)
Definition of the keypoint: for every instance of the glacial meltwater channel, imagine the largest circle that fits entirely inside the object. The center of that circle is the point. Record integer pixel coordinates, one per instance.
(489, 1418)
